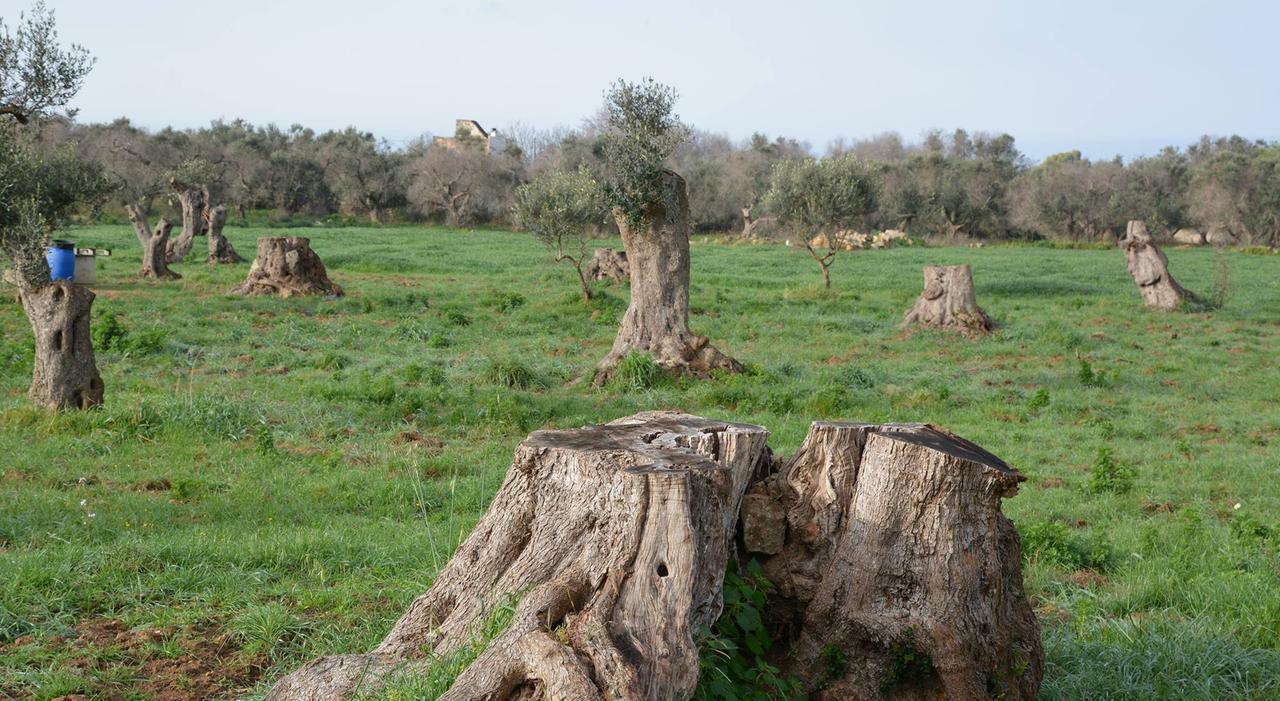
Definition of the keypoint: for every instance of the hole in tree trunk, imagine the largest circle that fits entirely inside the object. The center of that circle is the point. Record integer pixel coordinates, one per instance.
(57, 341)
(662, 569)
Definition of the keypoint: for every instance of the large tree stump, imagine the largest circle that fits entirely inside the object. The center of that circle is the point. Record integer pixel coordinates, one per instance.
(1150, 269)
(65, 374)
(657, 319)
(612, 542)
(608, 264)
(894, 549)
(948, 301)
(288, 267)
(220, 249)
(154, 263)
(194, 199)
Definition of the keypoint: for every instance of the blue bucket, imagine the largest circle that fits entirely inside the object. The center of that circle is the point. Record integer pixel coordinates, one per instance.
(62, 260)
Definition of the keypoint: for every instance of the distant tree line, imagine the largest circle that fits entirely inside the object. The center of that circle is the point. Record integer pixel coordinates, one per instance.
(950, 186)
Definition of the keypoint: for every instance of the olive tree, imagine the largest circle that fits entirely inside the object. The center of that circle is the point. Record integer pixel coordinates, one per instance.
(651, 207)
(38, 192)
(563, 211)
(826, 196)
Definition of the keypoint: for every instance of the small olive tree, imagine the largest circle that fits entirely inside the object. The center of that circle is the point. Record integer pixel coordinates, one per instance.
(826, 196)
(650, 204)
(563, 211)
(37, 193)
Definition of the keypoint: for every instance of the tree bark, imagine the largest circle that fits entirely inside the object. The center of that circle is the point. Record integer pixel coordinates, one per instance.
(65, 374)
(608, 264)
(948, 302)
(154, 244)
(194, 199)
(286, 266)
(220, 249)
(610, 541)
(657, 319)
(1150, 269)
(886, 544)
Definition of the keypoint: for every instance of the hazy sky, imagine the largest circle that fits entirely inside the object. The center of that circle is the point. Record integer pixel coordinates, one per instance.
(1108, 77)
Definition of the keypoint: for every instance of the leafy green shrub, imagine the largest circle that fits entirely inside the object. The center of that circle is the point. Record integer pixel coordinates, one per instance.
(637, 372)
(510, 373)
(1040, 399)
(457, 318)
(732, 652)
(504, 301)
(1109, 476)
(108, 332)
(1053, 544)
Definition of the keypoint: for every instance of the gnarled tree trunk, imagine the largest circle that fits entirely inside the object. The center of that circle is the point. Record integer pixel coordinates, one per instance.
(1150, 269)
(66, 373)
(608, 264)
(887, 546)
(220, 249)
(611, 542)
(286, 266)
(194, 199)
(948, 302)
(153, 244)
(657, 319)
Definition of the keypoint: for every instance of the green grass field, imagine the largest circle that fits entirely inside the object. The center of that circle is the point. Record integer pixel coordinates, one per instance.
(272, 480)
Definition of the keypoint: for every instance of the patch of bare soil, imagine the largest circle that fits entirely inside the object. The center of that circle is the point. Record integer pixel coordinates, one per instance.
(208, 664)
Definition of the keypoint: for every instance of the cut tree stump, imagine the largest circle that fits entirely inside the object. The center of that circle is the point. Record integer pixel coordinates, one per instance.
(220, 249)
(608, 264)
(194, 199)
(948, 301)
(611, 543)
(287, 266)
(1150, 269)
(66, 373)
(154, 244)
(657, 319)
(895, 554)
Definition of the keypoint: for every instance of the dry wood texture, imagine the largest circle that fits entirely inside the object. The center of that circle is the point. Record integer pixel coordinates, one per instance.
(287, 266)
(154, 244)
(948, 302)
(608, 264)
(1150, 269)
(657, 319)
(65, 374)
(612, 539)
(220, 249)
(895, 555)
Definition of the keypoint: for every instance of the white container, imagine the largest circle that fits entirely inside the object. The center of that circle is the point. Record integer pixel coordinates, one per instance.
(87, 265)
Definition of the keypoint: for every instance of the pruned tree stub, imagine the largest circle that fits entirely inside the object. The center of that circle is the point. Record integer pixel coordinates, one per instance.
(948, 301)
(220, 249)
(608, 264)
(154, 244)
(893, 545)
(1150, 269)
(612, 539)
(66, 373)
(657, 319)
(286, 266)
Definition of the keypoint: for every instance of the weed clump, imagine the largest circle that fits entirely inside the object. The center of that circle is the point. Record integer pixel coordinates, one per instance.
(510, 373)
(1051, 543)
(637, 372)
(1109, 476)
